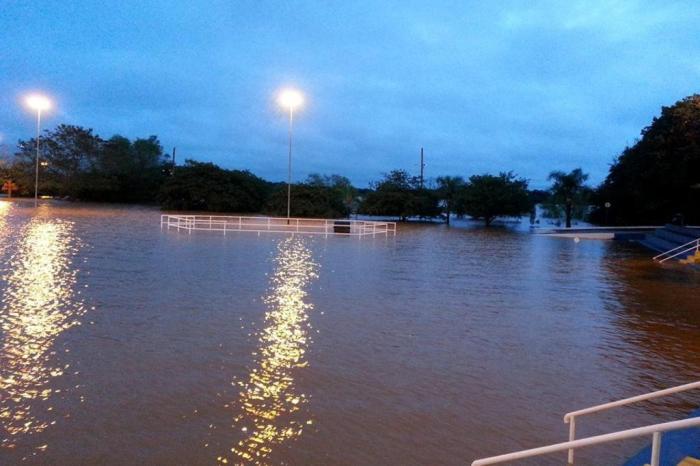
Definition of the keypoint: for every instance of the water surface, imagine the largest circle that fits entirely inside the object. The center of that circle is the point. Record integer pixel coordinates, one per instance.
(125, 344)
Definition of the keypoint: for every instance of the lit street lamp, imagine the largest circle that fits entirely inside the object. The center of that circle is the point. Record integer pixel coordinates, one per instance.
(292, 99)
(39, 103)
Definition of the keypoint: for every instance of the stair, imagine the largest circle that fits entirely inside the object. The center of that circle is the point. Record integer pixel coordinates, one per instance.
(687, 461)
(678, 448)
(670, 237)
(694, 259)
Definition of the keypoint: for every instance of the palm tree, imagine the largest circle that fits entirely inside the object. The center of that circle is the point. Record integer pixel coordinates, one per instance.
(449, 187)
(568, 189)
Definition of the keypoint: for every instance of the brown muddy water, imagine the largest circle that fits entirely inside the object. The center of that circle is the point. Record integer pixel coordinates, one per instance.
(122, 344)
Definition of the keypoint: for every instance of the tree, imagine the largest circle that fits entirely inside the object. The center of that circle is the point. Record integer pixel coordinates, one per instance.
(487, 197)
(70, 152)
(449, 188)
(569, 191)
(659, 176)
(319, 196)
(81, 165)
(400, 195)
(205, 186)
(340, 184)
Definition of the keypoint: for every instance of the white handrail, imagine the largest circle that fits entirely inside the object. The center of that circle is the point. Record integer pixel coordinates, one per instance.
(655, 430)
(632, 399)
(228, 223)
(570, 418)
(695, 243)
(696, 247)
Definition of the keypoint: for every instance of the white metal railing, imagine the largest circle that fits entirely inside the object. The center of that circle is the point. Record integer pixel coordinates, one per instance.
(675, 252)
(572, 444)
(570, 418)
(230, 223)
(654, 430)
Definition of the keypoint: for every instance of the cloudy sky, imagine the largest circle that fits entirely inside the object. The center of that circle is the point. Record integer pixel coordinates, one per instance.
(483, 86)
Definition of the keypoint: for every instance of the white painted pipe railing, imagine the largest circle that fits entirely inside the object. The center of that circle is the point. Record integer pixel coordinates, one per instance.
(573, 444)
(654, 430)
(326, 227)
(570, 418)
(680, 250)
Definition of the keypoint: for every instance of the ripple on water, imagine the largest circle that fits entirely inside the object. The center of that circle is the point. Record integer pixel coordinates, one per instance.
(39, 303)
(269, 403)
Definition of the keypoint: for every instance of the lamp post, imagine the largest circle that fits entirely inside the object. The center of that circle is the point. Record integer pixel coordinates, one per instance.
(290, 98)
(38, 103)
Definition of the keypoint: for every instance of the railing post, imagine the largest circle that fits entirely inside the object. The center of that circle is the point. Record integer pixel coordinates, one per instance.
(240, 223)
(572, 436)
(655, 448)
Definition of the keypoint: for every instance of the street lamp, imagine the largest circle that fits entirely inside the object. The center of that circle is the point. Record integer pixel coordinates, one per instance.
(39, 103)
(290, 98)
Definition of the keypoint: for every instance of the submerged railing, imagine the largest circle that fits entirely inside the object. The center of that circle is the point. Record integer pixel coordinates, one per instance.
(691, 246)
(236, 223)
(654, 430)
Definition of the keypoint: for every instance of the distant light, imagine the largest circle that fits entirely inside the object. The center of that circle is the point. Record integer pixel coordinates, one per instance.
(38, 102)
(290, 98)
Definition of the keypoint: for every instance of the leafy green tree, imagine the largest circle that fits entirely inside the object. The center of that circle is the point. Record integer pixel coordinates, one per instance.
(79, 164)
(569, 191)
(205, 186)
(487, 197)
(68, 152)
(318, 197)
(659, 176)
(307, 201)
(449, 188)
(127, 171)
(340, 184)
(400, 195)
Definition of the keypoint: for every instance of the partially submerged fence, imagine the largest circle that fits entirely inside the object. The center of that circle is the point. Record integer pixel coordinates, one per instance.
(317, 226)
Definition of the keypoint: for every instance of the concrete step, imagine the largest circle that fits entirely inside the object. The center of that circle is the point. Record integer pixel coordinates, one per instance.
(692, 259)
(687, 461)
(690, 233)
(658, 244)
(673, 236)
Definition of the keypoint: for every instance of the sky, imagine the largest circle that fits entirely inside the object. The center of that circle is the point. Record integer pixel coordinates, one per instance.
(483, 86)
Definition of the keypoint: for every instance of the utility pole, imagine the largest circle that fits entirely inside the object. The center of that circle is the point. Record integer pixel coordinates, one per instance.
(422, 168)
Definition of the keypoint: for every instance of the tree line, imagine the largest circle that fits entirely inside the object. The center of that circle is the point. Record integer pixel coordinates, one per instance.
(79, 164)
(654, 181)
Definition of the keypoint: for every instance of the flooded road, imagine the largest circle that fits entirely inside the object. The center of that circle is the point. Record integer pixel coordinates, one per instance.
(124, 344)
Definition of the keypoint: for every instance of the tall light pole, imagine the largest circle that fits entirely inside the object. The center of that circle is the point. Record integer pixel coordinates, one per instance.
(290, 98)
(38, 103)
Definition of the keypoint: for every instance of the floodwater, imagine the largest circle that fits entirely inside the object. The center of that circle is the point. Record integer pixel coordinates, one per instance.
(124, 344)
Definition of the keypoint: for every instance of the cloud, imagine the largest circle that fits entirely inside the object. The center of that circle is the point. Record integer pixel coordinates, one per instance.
(483, 86)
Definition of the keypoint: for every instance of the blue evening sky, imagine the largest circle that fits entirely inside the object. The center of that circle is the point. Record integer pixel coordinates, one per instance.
(484, 86)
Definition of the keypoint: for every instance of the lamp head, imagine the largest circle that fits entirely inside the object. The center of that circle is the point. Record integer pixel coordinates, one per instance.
(290, 98)
(38, 102)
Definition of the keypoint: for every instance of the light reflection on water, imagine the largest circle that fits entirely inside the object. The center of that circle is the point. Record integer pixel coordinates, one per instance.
(38, 305)
(270, 403)
(444, 344)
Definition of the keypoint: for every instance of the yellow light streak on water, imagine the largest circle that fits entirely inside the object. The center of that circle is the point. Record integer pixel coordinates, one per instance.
(270, 402)
(38, 305)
